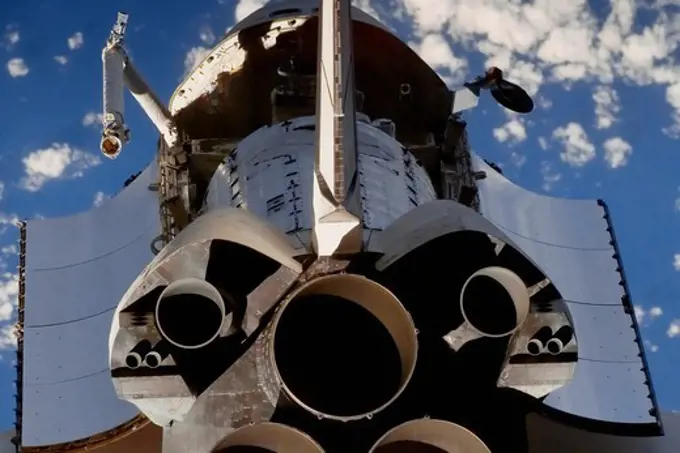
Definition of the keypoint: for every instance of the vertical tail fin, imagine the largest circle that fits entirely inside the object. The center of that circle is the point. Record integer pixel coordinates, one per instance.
(336, 201)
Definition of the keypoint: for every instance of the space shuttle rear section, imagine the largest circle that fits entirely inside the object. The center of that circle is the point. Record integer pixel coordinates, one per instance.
(331, 283)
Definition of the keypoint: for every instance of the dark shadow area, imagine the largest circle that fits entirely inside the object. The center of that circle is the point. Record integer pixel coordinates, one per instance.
(189, 319)
(237, 269)
(488, 306)
(335, 356)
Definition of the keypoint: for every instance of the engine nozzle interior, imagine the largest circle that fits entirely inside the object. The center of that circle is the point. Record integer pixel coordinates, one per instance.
(344, 347)
(267, 438)
(429, 436)
(190, 313)
(494, 301)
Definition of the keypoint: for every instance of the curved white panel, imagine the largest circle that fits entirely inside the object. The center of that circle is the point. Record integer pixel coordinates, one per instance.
(570, 241)
(98, 232)
(607, 391)
(557, 221)
(61, 412)
(270, 174)
(604, 333)
(75, 350)
(585, 276)
(77, 269)
(74, 286)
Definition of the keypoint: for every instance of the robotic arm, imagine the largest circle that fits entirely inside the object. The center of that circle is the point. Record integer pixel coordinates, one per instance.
(119, 72)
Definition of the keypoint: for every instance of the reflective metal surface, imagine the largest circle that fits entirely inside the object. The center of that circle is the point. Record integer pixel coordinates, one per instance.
(571, 242)
(264, 271)
(78, 268)
(439, 219)
(271, 171)
(545, 435)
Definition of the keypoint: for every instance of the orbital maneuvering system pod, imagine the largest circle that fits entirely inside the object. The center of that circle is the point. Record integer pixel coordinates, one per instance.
(315, 290)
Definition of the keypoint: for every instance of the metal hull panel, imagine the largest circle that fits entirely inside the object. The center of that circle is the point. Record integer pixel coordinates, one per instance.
(77, 269)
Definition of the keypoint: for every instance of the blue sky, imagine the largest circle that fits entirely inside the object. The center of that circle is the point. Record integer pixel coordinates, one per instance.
(604, 74)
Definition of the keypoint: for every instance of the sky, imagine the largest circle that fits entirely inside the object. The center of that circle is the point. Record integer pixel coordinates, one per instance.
(604, 73)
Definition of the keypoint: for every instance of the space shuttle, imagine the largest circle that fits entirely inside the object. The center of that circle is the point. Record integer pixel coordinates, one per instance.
(313, 168)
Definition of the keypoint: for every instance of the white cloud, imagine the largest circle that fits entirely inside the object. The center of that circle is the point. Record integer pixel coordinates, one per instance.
(607, 106)
(61, 59)
(2, 190)
(676, 262)
(245, 7)
(565, 41)
(578, 150)
(9, 250)
(206, 34)
(99, 199)
(7, 337)
(194, 57)
(513, 130)
(8, 219)
(550, 176)
(641, 314)
(677, 202)
(11, 38)
(655, 312)
(673, 98)
(544, 103)
(9, 289)
(673, 328)
(616, 152)
(517, 159)
(58, 161)
(436, 52)
(17, 67)
(76, 41)
(93, 119)
(651, 346)
(367, 6)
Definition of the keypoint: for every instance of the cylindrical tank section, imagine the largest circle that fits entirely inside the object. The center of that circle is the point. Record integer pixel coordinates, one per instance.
(190, 313)
(343, 347)
(429, 436)
(498, 291)
(267, 438)
(270, 174)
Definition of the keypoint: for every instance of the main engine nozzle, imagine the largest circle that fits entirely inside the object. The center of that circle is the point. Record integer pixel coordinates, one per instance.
(267, 438)
(343, 347)
(494, 302)
(190, 313)
(429, 436)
